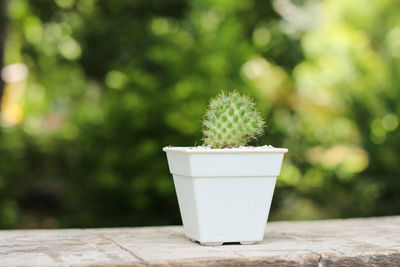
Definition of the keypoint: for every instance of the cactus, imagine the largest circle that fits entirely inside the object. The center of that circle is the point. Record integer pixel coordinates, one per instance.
(231, 121)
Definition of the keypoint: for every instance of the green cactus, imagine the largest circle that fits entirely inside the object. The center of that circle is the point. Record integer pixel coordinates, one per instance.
(231, 121)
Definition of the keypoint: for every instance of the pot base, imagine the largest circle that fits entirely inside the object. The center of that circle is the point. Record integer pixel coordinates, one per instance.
(211, 243)
(224, 243)
(249, 242)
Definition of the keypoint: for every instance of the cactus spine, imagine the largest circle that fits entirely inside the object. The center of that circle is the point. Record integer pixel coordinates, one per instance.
(231, 121)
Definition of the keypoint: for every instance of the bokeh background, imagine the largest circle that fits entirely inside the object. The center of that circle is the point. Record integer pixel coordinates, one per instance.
(93, 89)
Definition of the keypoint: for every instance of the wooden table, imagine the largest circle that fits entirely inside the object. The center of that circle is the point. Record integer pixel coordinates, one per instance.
(350, 242)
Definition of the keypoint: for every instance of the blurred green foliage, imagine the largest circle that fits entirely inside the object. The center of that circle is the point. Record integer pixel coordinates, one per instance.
(112, 82)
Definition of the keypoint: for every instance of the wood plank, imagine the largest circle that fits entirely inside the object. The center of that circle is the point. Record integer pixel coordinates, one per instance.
(351, 242)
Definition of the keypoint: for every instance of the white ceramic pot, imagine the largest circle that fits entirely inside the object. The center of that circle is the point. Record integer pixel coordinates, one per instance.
(224, 195)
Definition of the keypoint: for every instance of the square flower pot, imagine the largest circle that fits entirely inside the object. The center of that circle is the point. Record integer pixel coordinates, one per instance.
(224, 195)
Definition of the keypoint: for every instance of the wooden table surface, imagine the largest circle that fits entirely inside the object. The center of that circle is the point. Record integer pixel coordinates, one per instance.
(349, 242)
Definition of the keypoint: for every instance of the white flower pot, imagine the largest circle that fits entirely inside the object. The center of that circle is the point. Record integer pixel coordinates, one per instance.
(224, 195)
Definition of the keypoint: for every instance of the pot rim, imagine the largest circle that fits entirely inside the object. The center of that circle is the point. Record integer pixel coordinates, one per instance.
(199, 150)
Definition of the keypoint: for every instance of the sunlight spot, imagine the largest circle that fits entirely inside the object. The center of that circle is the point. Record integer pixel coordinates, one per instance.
(70, 49)
(261, 36)
(393, 42)
(352, 159)
(161, 26)
(116, 79)
(14, 73)
(33, 29)
(390, 122)
(255, 68)
(65, 3)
